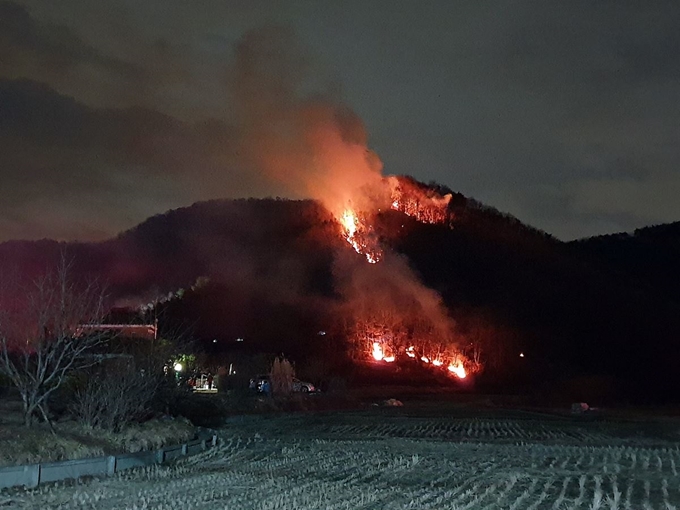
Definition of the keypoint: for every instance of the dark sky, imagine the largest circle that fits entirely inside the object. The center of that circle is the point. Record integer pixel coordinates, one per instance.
(565, 114)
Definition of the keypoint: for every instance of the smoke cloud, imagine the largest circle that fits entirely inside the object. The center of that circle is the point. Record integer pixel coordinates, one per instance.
(308, 142)
(318, 148)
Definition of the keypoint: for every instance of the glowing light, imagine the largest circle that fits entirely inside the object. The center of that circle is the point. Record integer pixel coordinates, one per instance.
(458, 370)
(389, 359)
(425, 359)
(178, 367)
(521, 354)
(437, 363)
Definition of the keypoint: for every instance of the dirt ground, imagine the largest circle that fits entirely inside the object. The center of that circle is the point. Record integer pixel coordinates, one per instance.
(428, 453)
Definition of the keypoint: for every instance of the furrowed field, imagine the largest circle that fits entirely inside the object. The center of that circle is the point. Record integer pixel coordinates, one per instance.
(410, 457)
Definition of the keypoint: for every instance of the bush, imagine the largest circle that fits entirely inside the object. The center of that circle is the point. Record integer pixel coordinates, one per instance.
(115, 396)
(281, 377)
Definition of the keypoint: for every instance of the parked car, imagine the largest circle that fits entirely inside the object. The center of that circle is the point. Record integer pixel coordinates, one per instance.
(302, 386)
(256, 383)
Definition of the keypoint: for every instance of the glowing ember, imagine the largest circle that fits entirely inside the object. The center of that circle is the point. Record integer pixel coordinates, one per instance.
(458, 369)
(389, 359)
(378, 352)
(437, 363)
(425, 359)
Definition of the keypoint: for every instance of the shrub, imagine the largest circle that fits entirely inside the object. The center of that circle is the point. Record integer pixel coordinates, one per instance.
(281, 377)
(115, 396)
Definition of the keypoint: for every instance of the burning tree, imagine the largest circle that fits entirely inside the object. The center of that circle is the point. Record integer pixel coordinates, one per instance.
(41, 341)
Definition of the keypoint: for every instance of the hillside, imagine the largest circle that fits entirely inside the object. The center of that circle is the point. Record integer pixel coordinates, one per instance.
(649, 257)
(574, 308)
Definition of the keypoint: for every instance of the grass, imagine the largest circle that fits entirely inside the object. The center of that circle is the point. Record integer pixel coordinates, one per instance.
(394, 458)
(20, 445)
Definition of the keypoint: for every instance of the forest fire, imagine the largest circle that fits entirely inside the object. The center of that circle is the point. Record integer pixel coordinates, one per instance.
(424, 205)
(318, 149)
(380, 323)
(455, 367)
(356, 236)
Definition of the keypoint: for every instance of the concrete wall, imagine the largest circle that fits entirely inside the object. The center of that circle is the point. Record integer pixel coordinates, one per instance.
(34, 474)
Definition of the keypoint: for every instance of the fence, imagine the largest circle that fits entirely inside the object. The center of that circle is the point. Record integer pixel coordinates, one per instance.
(34, 474)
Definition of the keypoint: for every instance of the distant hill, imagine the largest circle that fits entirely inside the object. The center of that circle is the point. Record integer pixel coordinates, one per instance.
(603, 306)
(649, 256)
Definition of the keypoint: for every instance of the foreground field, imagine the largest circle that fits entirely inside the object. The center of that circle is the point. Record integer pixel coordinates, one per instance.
(401, 458)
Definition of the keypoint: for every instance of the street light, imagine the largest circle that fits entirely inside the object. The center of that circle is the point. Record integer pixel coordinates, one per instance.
(178, 367)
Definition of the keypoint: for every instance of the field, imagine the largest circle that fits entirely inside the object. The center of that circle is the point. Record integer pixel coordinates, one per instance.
(419, 456)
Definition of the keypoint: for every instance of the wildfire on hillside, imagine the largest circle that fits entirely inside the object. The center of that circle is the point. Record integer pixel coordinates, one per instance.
(318, 148)
(390, 334)
(358, 235)
(422, 204)
(452, 363)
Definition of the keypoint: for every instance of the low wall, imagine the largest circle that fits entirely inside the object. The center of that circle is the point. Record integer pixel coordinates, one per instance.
(34, 474)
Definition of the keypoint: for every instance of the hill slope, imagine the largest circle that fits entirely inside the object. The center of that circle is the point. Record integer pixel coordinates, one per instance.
(573, 308)
(649, 256)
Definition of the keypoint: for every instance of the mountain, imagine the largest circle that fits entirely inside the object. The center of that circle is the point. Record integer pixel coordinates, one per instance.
(604, 307)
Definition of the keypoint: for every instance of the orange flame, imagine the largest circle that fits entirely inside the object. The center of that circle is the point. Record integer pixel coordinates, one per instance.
(350, 223)
(458, 369)
(424, 206)
(378, 353)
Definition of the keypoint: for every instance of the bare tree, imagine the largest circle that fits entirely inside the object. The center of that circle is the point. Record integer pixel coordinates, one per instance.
(117, 393)
(44, 341)
(131, 381)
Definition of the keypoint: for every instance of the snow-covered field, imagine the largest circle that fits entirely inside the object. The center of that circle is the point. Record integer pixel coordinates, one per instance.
(390, 458)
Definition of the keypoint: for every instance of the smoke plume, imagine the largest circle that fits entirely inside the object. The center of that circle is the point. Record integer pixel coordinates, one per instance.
(309, 143)
(318, 148)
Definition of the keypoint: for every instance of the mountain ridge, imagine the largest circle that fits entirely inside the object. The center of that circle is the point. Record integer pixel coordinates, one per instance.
(514, 288)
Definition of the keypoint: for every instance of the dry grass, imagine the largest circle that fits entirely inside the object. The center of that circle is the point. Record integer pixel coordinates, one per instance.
(20, 445)
(31, 446)
(149, 435)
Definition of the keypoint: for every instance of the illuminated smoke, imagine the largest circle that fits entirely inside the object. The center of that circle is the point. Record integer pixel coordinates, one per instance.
(314, 147)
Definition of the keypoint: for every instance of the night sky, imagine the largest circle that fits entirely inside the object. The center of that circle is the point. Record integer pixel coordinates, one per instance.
(564, 114)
